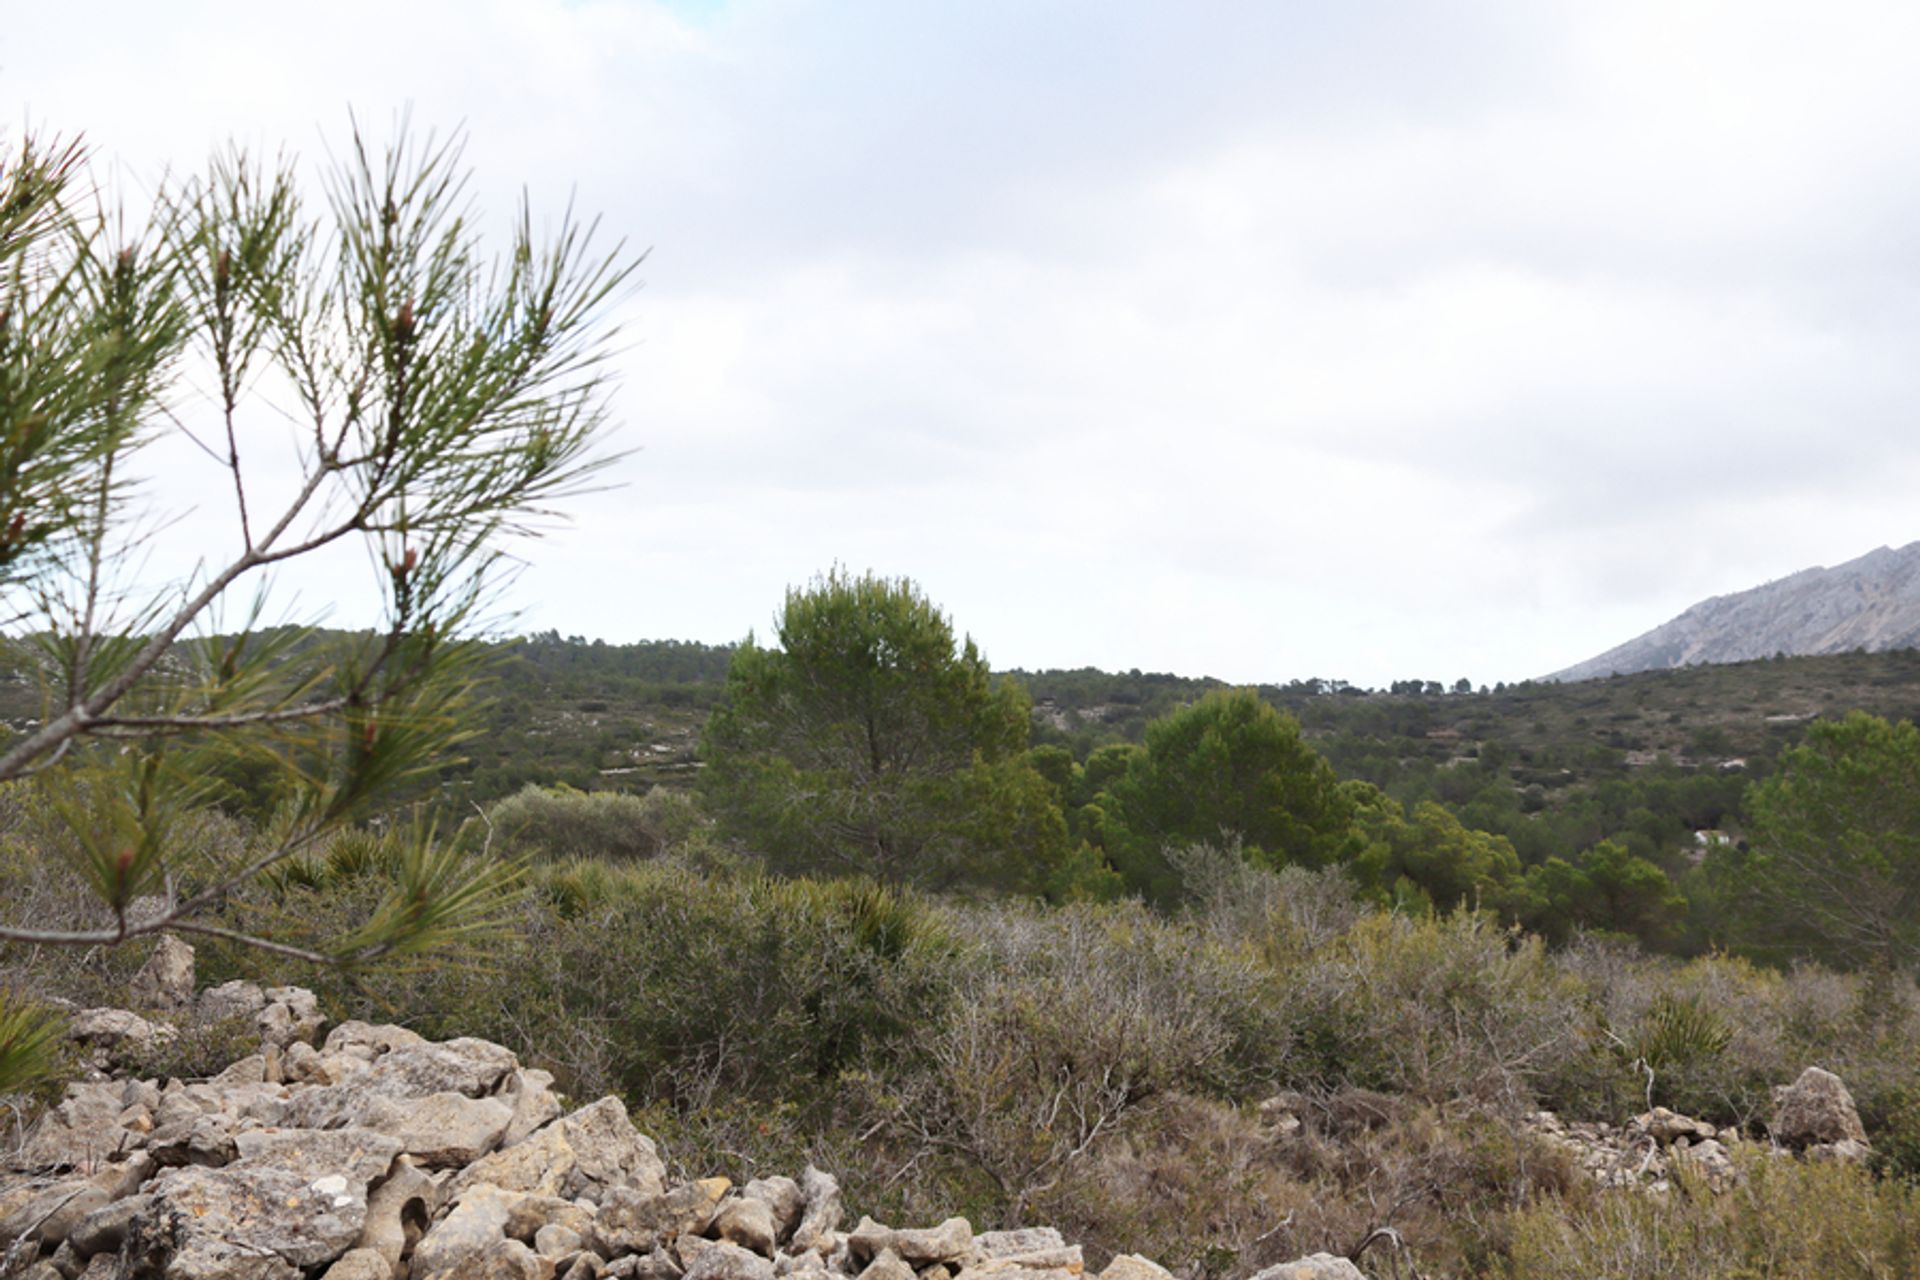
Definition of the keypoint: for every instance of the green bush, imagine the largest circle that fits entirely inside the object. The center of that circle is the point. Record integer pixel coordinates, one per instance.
(556, 823)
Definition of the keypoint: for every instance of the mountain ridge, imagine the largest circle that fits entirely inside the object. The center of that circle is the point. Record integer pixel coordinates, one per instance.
(1870, 603)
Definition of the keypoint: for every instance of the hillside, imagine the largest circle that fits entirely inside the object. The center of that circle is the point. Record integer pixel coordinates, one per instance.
(1870, 604)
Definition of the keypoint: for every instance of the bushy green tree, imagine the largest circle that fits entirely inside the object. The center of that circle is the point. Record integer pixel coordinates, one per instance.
(1834, 872)
(1229, 766)
(1427, 858)
(870, 741)
(437, 401)
(1609, 888)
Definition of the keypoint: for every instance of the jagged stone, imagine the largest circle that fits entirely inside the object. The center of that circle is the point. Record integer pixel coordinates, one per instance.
(399, 1210)
(260, 1223)
(165, 981)
(556, 1241)
(359, 1155)
(507, 1260)
(821, 1218)
(1315, 1266)
(586, 1266)
(887, 1265)
(1667, 1126)
(1011, 1244)
(1815, 1109)
(105, 1229)
(727, 1261)
(530, 1093)
(747, 1223)
(951, 1241)
(1131, 1266)
(534, 1212)
(784, 1200)
(630, 1222)
(587, 1154)
(359, 1264)
(455, 1243)
(237, 999)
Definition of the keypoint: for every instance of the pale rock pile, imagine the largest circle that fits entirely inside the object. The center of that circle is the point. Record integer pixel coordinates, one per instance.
(1814, 1118)
(379, 1155)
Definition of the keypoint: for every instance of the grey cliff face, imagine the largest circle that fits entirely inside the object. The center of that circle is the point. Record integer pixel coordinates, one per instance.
(1872, 603)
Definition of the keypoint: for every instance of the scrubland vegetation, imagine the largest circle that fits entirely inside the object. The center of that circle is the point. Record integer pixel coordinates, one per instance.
(1197, 996)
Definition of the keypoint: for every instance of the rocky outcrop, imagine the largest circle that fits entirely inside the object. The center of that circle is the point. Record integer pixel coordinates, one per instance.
(371, 1153)
(1815, 1114)
(1872, 603)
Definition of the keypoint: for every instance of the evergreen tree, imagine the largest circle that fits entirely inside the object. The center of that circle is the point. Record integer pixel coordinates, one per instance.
(869, 741)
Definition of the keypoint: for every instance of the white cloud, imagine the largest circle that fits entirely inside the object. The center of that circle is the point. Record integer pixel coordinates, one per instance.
(1361, 340)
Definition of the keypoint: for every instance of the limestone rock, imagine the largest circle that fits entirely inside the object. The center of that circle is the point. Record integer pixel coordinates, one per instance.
(264, 1223)
(887, 1265)
(456, 1242)
(1131, 1266)
(747, 1223)
(629, 1222)
(237, 999)
(359, 1264)
(1011, 1244)
(359, 1155)
(165, 981)
(1315, 1266)
(1816, 1108)
(507, 1260)
(587, 1154)
(399, 1210)
(725, 1261)
(951, 1241)
(530, 1094)
(821, 1217)
(784, 1200)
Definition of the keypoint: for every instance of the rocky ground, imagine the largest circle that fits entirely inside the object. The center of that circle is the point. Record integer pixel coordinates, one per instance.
(370, 1153)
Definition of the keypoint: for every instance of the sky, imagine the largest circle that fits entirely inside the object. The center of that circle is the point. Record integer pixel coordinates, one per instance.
(1265, 341)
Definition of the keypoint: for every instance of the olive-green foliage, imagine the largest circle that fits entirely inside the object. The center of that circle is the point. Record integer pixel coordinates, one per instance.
(1784, 1220)
(871, 742)
(438, 403)
(30, 1048)
(1835, 871)
(1228, 766)
(559, 822)
(1434, 1007)
(1427, 859)
(1608, 888)
(1063, 1026)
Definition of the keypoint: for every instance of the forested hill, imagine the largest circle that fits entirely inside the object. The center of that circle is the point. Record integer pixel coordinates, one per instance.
(1648, 759)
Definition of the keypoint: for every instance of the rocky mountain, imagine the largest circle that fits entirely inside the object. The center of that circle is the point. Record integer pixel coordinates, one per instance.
(1872, 603)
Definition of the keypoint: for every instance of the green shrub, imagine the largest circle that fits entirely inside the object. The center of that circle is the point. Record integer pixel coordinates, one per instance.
(563, 823)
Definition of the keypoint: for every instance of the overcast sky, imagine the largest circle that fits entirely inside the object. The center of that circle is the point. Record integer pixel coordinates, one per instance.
(1263, 340)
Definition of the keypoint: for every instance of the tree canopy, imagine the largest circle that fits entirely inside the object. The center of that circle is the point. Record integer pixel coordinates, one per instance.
(1834, 871)
(871, 741)
(440, 399)
(1229, 765)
